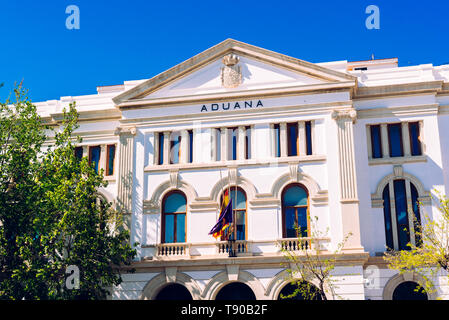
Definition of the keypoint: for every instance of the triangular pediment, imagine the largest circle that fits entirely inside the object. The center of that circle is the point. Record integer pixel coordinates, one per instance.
(257, 69)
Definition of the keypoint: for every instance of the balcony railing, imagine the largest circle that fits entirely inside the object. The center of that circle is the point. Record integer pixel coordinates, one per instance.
(173, 249)
(301, 244)
(241, 248)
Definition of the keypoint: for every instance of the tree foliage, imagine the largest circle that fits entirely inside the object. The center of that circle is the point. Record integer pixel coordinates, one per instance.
(310, 263)
(50, 214)
(430, 254)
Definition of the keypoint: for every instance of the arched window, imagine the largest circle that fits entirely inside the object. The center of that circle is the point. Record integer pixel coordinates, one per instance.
(174, 217)
(238, 197)
(295, 207)
(400, 198)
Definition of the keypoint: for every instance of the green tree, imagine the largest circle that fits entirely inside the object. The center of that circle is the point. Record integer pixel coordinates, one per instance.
(51, 217)
(430, 254)
(309, 262)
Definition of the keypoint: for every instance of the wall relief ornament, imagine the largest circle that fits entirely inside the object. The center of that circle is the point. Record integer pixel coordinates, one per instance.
(231, 73)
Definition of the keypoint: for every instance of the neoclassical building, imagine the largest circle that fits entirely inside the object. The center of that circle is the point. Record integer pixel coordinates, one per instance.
(351, 145)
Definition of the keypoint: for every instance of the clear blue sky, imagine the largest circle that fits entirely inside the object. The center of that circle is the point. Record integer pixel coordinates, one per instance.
(137, 39)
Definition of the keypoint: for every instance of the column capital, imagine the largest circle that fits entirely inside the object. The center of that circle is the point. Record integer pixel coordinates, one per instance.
(125, 131)
(345, 114)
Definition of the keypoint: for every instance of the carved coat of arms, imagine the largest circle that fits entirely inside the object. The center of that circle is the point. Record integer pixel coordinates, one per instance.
(231, 74)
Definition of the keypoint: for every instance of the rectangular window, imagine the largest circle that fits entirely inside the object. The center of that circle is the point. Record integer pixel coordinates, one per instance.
(415, 143)
(234, 142)
(79, 153)
(292, 135)
(94, 156)
(248, 142)
(376, 141)
(395, 140)
(175, 147)
(190, 146)
(110, 160)
(161, 149)
(308, 126)
(277, 140)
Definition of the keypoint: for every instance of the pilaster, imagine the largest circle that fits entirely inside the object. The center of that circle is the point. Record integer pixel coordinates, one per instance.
(349, 202)
(125, 171)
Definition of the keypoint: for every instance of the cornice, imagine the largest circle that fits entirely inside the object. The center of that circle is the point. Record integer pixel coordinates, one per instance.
(236, 163)
(397, 160)
(215, 261)
(398, 89)
(89, 115)
(406, 110)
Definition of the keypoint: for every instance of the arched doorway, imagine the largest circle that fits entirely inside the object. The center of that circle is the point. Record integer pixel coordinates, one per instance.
(236, 291)
(310, 291)
(406, 291)
(174, 291)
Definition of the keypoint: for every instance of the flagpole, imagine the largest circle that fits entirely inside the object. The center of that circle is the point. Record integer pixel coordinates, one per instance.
(222, 201)
(231, 240)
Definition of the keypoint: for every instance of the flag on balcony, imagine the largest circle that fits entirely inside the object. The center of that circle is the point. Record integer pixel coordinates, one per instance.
(225, 218)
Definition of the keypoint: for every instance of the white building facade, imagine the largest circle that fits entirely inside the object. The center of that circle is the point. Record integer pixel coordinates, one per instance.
(350, 145)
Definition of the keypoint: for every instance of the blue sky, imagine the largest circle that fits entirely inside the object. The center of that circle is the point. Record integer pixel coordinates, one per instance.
(137, 39)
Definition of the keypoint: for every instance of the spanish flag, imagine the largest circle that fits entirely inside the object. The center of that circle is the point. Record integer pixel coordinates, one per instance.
(225, 218)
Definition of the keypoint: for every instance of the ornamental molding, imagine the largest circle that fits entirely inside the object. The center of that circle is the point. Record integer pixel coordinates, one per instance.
(293, 170)
(174, 178)
(233, 175)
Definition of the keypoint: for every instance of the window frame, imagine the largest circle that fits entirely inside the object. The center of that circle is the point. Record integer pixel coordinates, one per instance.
(308, 133)
(231, 189)
(393, 199)
(164, 214)
(178, 144)
(99, 156)
(371, 126)
(108, 158)
(284, 230)
(290, 143)
(401, 139)
(418, 126)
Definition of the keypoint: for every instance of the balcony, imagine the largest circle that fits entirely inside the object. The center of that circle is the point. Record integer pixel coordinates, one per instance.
(242, 248)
